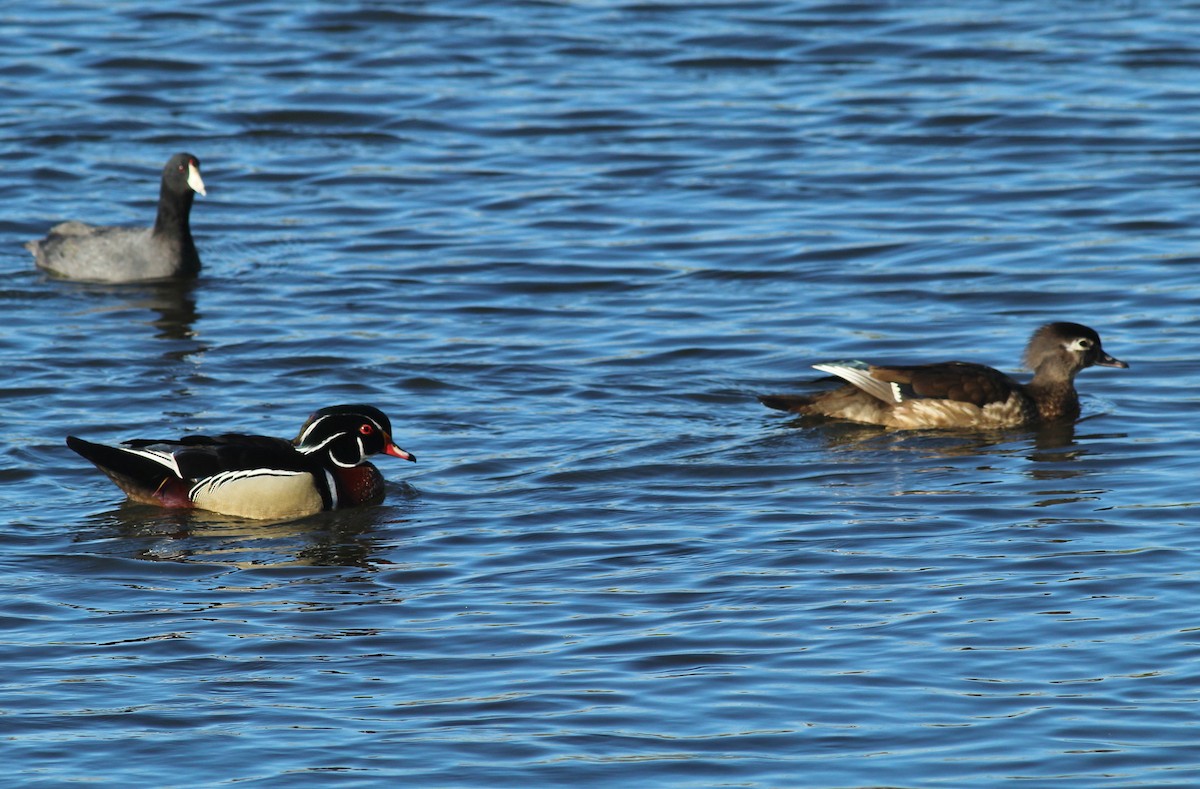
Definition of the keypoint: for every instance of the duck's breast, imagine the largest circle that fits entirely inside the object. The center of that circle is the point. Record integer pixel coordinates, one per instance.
(362, 484)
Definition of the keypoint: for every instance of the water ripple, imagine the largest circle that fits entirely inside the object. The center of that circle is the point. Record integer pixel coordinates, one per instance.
(565, 246)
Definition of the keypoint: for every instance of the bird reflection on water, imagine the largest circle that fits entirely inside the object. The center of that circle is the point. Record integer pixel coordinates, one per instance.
(342, 538)
(1053, 452)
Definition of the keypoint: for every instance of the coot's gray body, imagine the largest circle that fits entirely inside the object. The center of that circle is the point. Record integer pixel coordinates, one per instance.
(125, 254)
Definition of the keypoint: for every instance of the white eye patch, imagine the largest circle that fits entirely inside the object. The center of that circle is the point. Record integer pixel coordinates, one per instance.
(1080, 344)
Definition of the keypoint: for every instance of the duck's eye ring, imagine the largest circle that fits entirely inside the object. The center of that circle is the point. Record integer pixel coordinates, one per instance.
(366, 429)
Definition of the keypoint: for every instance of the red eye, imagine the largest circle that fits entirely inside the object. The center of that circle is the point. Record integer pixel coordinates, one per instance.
(366, 429)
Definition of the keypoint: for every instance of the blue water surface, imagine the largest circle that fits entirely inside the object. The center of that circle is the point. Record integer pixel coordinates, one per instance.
(564, 245)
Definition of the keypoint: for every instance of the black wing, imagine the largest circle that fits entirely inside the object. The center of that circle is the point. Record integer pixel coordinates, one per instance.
(200, 457)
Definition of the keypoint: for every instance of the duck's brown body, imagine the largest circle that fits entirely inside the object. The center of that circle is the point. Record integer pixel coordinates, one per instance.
(961, 394)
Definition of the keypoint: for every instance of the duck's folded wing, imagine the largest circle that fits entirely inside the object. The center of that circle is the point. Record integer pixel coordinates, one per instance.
(201, 457)
(962, 382)
(139, 471)
(860, 374)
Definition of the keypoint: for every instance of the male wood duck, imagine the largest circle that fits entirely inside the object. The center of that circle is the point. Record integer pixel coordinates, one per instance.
(131, 254)
(323, 468)
(961, 394)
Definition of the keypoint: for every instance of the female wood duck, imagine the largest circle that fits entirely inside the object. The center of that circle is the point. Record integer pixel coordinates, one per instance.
(961, 394)
(131, 254)
(323, 468)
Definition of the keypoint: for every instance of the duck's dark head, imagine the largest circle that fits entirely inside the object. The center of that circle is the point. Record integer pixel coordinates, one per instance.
(1067, 348)
(181, 175)
(347, 435)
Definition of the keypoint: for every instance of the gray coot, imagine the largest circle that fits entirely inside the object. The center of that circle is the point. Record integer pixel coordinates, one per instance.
(127, 254)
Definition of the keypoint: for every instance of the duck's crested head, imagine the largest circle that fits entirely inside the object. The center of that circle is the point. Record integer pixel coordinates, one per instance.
(348, 434)
(1069, 347)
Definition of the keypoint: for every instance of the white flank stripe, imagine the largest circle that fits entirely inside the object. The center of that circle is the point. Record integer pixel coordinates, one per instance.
(211, 485)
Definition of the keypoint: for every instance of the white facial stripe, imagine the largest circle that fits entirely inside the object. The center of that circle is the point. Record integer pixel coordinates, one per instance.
(317, 421)
(340, 464)
(349, 465)
(195, 181)
(323, 444)
(318, 447)
(336, 462)
(362, 450)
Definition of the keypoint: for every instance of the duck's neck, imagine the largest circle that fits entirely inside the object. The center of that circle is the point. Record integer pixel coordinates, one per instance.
(1053, 390)
(173, 212)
